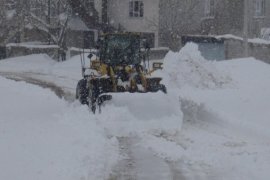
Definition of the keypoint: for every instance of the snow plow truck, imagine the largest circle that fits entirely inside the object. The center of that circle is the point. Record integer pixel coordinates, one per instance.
(118, 65)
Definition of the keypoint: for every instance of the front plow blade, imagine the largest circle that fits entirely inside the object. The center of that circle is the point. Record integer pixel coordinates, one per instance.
(146, 105)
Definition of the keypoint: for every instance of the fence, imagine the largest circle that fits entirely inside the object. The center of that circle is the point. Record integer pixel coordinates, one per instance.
(229, 47)
(234, 48)
(13, 50)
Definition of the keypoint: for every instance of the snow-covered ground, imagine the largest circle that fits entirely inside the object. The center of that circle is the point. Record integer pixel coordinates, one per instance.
(212, 124)
(43, 137)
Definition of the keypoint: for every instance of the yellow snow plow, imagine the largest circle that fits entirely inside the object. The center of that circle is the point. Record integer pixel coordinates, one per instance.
(117, 66)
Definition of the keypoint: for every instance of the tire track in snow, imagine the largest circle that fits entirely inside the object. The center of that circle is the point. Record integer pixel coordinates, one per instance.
(125, 169)
(140, 163)
(59, 91)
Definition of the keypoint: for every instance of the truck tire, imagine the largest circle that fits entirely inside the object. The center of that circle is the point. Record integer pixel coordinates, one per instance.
(82, 91)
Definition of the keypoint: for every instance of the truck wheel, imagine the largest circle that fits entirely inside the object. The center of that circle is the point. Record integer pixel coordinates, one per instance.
(82, 91)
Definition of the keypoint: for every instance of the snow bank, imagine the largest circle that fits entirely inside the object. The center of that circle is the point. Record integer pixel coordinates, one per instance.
(64, 74)
(225, 117)
(39, 63)
(43, 137)
(189, 68)
(223, 135)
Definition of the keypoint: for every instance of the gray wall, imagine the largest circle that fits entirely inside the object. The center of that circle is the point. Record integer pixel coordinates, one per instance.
(229, 18)
(178, 18)
(234, 49)
(256, 23)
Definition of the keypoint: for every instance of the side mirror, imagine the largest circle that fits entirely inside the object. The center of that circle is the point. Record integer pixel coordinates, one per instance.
(90, 56)
(145, 44)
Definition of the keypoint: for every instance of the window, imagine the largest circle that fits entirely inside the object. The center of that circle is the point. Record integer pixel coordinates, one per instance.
(136, 8)
(259, 7)
(209, 8)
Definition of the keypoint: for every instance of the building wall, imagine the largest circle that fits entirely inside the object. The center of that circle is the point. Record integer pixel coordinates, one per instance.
(258, 22)
(229, 18)
(177, 18)
(234, 48)
(118, 15)
(98, 7)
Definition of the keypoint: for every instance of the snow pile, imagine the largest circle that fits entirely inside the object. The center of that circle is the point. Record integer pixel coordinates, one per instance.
(43, 137)
(138, 114)
(189, 68)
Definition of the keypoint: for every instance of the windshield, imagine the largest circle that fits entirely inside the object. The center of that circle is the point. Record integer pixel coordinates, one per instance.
(121, 49)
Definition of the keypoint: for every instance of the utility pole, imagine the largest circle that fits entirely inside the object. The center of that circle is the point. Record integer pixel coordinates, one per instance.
(245, 28)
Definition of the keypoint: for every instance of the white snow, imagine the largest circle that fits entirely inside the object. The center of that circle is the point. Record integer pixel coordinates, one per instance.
(31, 45)
(212, 124)
(43, 137)
(191, 69)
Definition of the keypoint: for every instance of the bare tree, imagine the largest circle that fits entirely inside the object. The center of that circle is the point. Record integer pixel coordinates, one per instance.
(54, 23)
(9, 20)
(34, 14)
(3, 20)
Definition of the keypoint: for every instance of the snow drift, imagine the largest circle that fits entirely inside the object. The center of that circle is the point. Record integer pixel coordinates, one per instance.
(188, 68)
(43, 137)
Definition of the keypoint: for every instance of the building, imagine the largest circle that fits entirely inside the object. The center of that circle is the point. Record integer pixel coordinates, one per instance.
(130, 16)
(165, 21)
(162, 22)
(211, 17)
(227, 17)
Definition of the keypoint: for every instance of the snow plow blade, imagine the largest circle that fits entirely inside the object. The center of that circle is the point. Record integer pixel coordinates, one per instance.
(144, 105)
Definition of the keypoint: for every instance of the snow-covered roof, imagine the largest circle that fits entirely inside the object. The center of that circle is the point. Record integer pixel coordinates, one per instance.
(254, 40)
(31, 45)
(231, 36)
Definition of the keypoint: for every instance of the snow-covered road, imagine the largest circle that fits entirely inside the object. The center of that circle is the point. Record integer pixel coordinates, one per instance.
(213, 124)
(44, 137)
(135, 162)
